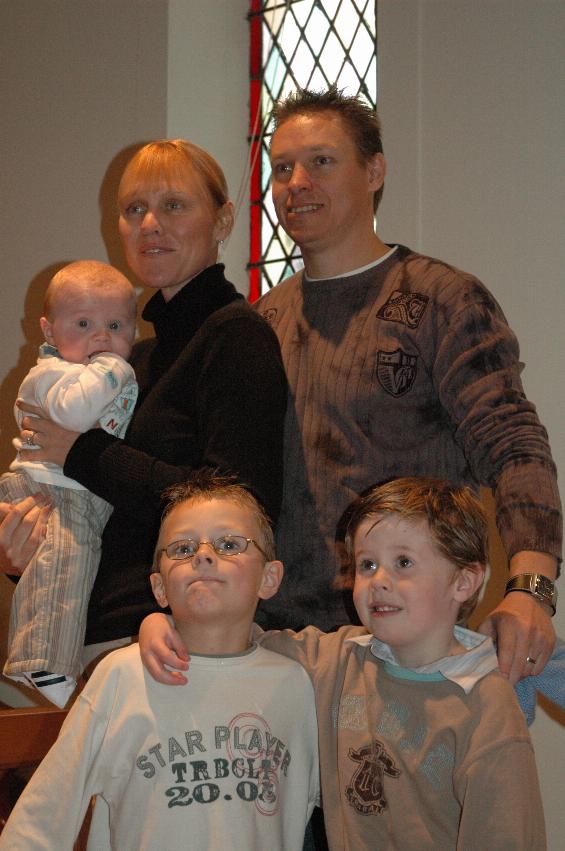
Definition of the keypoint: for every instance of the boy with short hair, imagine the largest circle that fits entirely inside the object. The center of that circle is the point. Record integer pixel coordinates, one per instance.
(229, 763)
(81, 380)
(422, 742)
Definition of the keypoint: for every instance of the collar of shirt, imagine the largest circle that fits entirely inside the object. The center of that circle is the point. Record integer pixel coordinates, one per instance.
(46, 350)
(358, 271)
(463, 669)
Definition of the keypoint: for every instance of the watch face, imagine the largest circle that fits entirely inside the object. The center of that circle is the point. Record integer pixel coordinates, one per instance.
(545, 589)
(544, 586)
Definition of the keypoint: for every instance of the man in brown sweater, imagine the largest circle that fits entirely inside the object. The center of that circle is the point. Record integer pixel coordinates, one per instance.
(398, 364)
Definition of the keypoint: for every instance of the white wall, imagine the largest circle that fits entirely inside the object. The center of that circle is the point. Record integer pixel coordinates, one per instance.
(471, 97)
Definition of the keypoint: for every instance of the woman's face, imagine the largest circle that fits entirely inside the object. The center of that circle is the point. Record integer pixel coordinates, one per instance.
(169, 228)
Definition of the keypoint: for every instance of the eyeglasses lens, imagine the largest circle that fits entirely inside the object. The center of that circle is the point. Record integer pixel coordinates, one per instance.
(226, 545)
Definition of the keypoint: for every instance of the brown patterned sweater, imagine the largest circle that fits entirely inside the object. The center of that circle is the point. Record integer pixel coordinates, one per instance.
(408, 368)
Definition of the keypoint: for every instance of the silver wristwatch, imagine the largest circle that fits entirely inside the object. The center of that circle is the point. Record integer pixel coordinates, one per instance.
(542, 588)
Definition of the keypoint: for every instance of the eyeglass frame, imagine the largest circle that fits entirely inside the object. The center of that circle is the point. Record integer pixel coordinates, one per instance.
(211, 544)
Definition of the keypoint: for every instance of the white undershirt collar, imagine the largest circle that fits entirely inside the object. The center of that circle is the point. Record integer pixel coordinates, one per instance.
(356, 271)
(464, 669)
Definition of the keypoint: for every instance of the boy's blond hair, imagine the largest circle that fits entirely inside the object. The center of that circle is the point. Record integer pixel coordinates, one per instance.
(455, 518)
(209, 484)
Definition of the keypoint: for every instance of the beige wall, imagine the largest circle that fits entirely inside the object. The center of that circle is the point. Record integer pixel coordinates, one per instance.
(471, 97)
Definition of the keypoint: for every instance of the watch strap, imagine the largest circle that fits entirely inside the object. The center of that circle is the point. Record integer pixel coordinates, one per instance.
(536, 584)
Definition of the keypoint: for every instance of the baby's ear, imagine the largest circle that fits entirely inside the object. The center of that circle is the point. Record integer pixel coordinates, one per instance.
(158, 587)
(272, 577)
(467, 581)
(45, 326)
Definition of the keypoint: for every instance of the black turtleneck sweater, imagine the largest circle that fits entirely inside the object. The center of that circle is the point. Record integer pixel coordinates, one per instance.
(212, 393)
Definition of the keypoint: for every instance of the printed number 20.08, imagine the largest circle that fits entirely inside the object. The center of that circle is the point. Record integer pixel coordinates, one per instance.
(207, 793)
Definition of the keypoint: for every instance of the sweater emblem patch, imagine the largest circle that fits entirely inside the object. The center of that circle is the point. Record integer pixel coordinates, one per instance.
(270, 314)
(406, 308)
(366, 793)
(396, 371)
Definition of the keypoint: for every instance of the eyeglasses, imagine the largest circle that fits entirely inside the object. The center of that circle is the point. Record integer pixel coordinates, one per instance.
(225, 545)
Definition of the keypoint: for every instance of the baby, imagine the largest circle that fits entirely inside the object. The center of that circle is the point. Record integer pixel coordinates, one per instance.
(81, 380)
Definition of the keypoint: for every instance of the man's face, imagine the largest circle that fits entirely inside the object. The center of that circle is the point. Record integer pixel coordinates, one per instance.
(322, 191)
(210, 588)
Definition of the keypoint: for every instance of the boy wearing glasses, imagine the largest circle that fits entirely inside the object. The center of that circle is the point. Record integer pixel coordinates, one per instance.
(224, 763)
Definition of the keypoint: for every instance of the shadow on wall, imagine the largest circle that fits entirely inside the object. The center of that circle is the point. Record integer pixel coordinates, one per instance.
(33, 309)
(107, 201)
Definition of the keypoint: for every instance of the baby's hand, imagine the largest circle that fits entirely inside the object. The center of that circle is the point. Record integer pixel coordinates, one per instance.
(162, 649)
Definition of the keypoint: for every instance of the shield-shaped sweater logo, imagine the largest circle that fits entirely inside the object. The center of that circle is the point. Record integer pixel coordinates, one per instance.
(396, 371)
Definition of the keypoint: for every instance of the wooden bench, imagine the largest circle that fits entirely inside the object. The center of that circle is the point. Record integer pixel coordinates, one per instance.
(25, 737)
(27, 734)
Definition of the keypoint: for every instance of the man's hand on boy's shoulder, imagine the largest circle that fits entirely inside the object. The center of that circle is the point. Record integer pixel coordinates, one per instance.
(161, 649)
(522, 630)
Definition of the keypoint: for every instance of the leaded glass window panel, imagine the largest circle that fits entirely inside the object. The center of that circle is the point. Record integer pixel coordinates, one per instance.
(298, 44)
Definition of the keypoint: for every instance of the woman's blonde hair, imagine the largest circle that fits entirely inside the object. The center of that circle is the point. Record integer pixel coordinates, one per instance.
(171, 159)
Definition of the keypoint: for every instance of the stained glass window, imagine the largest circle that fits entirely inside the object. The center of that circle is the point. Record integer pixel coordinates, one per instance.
(298, 44)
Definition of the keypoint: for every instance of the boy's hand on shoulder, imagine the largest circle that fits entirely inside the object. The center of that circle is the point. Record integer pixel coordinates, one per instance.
(522, 629)
(162, 650)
